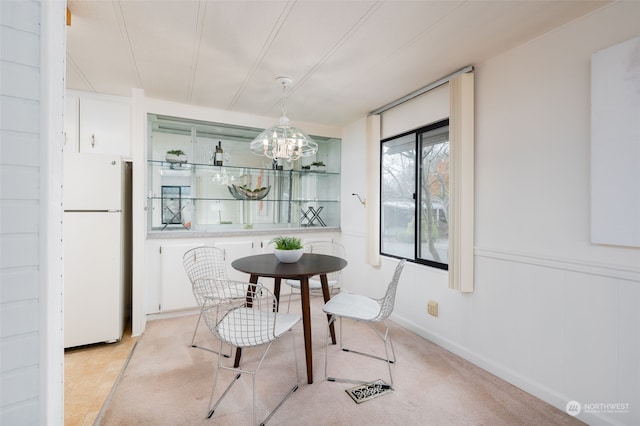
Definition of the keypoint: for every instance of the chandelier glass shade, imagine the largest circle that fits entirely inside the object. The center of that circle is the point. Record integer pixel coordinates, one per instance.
(284, 141)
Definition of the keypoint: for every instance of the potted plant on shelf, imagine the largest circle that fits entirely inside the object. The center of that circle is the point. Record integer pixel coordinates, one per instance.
(288, 249)
(176, 156)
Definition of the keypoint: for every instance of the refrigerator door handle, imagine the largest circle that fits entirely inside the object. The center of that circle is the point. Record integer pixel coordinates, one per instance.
(93, 211)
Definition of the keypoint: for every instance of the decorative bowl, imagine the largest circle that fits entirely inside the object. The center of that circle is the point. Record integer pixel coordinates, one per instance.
(243, 192)
(288, 256)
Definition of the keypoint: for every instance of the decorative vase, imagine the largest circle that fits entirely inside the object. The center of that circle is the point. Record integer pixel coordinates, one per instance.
(288, 256)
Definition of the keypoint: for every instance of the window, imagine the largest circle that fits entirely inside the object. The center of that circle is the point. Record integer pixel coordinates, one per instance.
(414, 195)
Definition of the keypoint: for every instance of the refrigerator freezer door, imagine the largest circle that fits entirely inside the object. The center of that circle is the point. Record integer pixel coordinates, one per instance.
(92, 182)
(93, 293)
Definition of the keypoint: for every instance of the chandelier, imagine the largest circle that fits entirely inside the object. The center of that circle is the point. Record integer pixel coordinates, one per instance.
(284, 140)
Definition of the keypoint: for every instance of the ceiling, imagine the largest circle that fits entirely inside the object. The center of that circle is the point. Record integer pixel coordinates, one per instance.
(346, 58)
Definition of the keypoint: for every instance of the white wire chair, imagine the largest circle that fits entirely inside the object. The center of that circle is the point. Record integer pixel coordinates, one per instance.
(246, 323)
(366, 310)
(205, 266)
(333, 278)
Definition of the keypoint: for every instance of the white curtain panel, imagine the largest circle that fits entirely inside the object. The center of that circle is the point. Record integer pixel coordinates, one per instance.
(461, 178)
(372, 207)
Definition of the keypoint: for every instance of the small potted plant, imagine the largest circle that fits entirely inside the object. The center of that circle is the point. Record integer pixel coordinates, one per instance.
(288, 249)
(176, 156)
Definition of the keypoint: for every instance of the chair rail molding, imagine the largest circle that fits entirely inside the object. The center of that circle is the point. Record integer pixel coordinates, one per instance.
(567, 264)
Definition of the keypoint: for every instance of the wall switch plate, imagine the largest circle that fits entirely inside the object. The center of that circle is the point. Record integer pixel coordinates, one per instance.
(432, 308)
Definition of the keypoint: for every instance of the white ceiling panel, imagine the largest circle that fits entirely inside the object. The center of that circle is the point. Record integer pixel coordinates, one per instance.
(364, 57)
(346, 57)
(162, 57)
(235, 39)
(98, 52)
(299, 48)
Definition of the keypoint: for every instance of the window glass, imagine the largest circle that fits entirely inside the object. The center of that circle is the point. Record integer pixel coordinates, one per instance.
(408, 181)
(434, 195)
(397, 197)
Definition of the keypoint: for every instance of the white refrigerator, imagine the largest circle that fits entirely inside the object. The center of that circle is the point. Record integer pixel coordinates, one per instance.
(93, 249)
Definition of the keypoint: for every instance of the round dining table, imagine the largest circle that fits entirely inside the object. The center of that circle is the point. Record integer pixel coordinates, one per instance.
(310, 264)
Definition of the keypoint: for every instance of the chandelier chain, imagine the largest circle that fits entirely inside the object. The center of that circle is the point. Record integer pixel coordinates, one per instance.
(284, 141)
(284, 98)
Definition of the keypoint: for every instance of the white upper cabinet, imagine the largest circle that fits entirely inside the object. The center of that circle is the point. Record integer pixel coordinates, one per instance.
(97, 124)
(71, 124)
(105, 126)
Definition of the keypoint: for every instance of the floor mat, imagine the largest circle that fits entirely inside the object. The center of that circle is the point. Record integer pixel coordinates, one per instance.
(367, 391)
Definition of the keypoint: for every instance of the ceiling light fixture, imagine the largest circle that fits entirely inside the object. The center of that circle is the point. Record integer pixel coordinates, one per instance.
(284, 140)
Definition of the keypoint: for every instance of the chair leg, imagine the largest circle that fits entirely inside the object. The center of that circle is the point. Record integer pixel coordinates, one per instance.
(386, 338)
(193, 338)
(292, 289)
(239, 372)
(213, 409)
(215, 382)
(290, 294)
(193, 345)
(292, 390)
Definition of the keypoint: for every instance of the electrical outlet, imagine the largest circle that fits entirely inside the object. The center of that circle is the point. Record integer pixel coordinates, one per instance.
(432, 308)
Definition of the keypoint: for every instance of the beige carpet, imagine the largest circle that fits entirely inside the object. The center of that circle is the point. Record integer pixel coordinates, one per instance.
(167, 382)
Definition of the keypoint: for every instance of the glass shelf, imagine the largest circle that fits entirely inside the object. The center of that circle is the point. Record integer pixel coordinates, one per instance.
(196, 196)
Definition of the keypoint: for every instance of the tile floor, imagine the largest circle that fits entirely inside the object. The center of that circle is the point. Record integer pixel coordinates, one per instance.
(89, 374)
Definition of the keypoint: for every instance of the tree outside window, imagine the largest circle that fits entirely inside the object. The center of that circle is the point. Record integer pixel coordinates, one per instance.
(408, 182)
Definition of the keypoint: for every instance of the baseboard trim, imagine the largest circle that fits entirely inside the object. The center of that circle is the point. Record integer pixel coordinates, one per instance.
(528, 385)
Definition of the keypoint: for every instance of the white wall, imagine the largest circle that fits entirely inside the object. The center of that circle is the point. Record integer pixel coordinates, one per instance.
(551, 313)
(31, 101)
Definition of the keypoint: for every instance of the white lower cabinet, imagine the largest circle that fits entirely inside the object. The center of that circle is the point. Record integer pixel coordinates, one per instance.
(169, 288)
(175, 287)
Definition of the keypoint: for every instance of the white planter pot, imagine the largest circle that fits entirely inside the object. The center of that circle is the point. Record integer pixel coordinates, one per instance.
(288, 256)
(173, 158)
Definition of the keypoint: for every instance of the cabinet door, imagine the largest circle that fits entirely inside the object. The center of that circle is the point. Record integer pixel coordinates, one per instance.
(71, 124)
(105, 126)
(234, 250)
(175, 287)
(92, 182)
(93, 293)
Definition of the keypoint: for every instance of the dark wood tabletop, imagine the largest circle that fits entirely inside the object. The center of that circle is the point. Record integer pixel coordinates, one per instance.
(267, 265)
(310, 264)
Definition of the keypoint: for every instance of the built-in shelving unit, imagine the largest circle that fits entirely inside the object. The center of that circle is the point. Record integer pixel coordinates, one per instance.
(248, 192)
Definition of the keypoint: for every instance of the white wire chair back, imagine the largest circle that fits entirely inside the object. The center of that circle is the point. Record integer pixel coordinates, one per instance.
(205, 266)
(388, 301)
(330, 248)
(242, 322)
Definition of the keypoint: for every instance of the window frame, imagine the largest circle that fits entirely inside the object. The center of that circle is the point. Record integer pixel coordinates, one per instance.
(416, 195)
